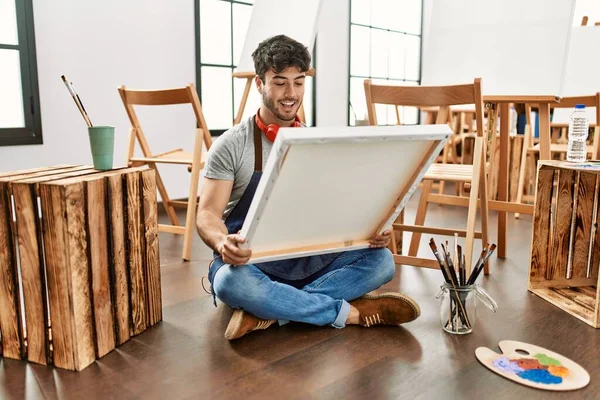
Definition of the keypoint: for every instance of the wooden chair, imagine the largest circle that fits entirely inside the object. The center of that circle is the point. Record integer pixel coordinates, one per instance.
(475, 174)
(460, 118)
(559, 144)
(193, 160)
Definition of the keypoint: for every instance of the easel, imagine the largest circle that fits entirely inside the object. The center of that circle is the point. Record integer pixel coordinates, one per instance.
(249, 76)
(488, 54)
(581, 81)
(270, 18)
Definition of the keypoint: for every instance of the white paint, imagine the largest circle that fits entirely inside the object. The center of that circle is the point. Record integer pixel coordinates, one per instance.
(144, 44)
(517, 47)
(305, 199)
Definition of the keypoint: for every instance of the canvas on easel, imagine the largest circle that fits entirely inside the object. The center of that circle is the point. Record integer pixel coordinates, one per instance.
(327, 190)
(581, 86)
(270, 18)
(582, 77)
(517, 47)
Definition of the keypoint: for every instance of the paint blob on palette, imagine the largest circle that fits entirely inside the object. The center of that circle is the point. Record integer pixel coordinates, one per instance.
(534, 366)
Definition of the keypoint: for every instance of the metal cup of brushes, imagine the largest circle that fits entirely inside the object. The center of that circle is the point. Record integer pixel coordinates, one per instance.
(459, 293)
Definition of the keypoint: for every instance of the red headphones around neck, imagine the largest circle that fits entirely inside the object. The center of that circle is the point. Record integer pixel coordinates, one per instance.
(271, 130)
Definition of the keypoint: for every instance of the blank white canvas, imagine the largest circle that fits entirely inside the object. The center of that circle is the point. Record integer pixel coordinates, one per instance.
(583, 64)
(589, 8)
(336, 185)
(294, 18)
(517, 47)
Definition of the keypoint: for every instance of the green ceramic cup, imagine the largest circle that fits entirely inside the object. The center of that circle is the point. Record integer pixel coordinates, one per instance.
(102, 143)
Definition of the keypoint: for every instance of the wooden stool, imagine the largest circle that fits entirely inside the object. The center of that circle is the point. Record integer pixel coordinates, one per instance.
(87, 241)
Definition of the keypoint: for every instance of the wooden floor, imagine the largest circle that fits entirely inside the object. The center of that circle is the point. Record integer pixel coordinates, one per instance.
(186, 356)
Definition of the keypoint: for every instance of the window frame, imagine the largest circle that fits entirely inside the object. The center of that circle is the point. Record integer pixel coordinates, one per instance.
(232, 66)
(350, 76)
(32, 132)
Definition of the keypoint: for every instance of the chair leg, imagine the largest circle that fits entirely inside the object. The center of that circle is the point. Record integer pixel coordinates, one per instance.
(165, 197)
(190, 217)
(454, 152)
(484, 209)
(491, 149)
(472, 211)
(396, 243)
(444, 161)
(522, 167)
(392, 246)
(420, 217)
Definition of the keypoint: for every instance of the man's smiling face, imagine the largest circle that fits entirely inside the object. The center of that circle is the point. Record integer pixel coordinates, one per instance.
(282, 92)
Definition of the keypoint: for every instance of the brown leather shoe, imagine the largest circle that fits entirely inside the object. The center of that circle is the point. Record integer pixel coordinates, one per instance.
(242, 322)
(386, 309)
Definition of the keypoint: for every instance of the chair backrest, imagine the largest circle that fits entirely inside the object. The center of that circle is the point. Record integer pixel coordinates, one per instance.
(426, 96)
(182, 95)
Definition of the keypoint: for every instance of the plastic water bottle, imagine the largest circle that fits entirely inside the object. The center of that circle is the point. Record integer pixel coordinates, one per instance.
(578, 133)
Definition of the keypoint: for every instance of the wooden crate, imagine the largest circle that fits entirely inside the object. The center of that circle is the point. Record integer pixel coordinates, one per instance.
(565, 250)
(79, 262)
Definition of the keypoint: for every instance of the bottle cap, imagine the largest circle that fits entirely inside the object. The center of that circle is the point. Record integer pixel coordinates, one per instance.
(579, 106)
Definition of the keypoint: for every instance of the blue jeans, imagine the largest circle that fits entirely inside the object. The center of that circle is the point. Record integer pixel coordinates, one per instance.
(323, 301)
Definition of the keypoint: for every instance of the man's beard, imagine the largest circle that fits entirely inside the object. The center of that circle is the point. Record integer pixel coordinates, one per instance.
(271, 106)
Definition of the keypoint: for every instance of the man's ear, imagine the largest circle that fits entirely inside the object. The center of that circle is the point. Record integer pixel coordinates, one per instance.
(259, 83)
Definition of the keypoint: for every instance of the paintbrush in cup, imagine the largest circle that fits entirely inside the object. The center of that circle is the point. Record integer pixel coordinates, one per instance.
(77, 101)
(454, 283)
(481, 264)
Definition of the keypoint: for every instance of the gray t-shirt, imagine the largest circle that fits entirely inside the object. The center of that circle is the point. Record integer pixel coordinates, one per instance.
(231, 157)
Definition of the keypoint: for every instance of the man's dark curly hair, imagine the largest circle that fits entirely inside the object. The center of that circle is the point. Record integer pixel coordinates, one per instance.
(278, 53)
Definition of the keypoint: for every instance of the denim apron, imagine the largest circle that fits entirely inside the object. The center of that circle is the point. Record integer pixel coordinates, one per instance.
(288, 271)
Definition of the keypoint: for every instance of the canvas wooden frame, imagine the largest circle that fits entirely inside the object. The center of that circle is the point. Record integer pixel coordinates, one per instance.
(366, 141)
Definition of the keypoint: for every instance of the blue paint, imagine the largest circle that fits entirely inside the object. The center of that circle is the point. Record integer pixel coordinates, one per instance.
(540, 376)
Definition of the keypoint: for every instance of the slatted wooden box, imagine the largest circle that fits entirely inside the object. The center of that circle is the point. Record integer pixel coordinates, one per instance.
(79, 262)
(565, 251)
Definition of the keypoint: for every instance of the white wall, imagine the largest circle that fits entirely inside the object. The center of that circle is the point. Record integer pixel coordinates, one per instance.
(427, 8)
(333, 37)
(332, 63)
(100, 45)
(143, 44)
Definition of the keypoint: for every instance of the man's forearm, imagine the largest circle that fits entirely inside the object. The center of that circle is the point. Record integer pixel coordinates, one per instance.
(212, 229)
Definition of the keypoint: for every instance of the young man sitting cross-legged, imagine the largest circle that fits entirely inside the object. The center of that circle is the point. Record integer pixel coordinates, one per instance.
(328, 289)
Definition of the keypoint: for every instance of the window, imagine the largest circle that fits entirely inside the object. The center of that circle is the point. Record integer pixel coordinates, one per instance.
(221, 27)
(385, 46)
(19, 98)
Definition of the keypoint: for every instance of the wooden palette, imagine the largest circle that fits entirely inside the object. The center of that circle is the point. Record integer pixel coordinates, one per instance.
(534, 366)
